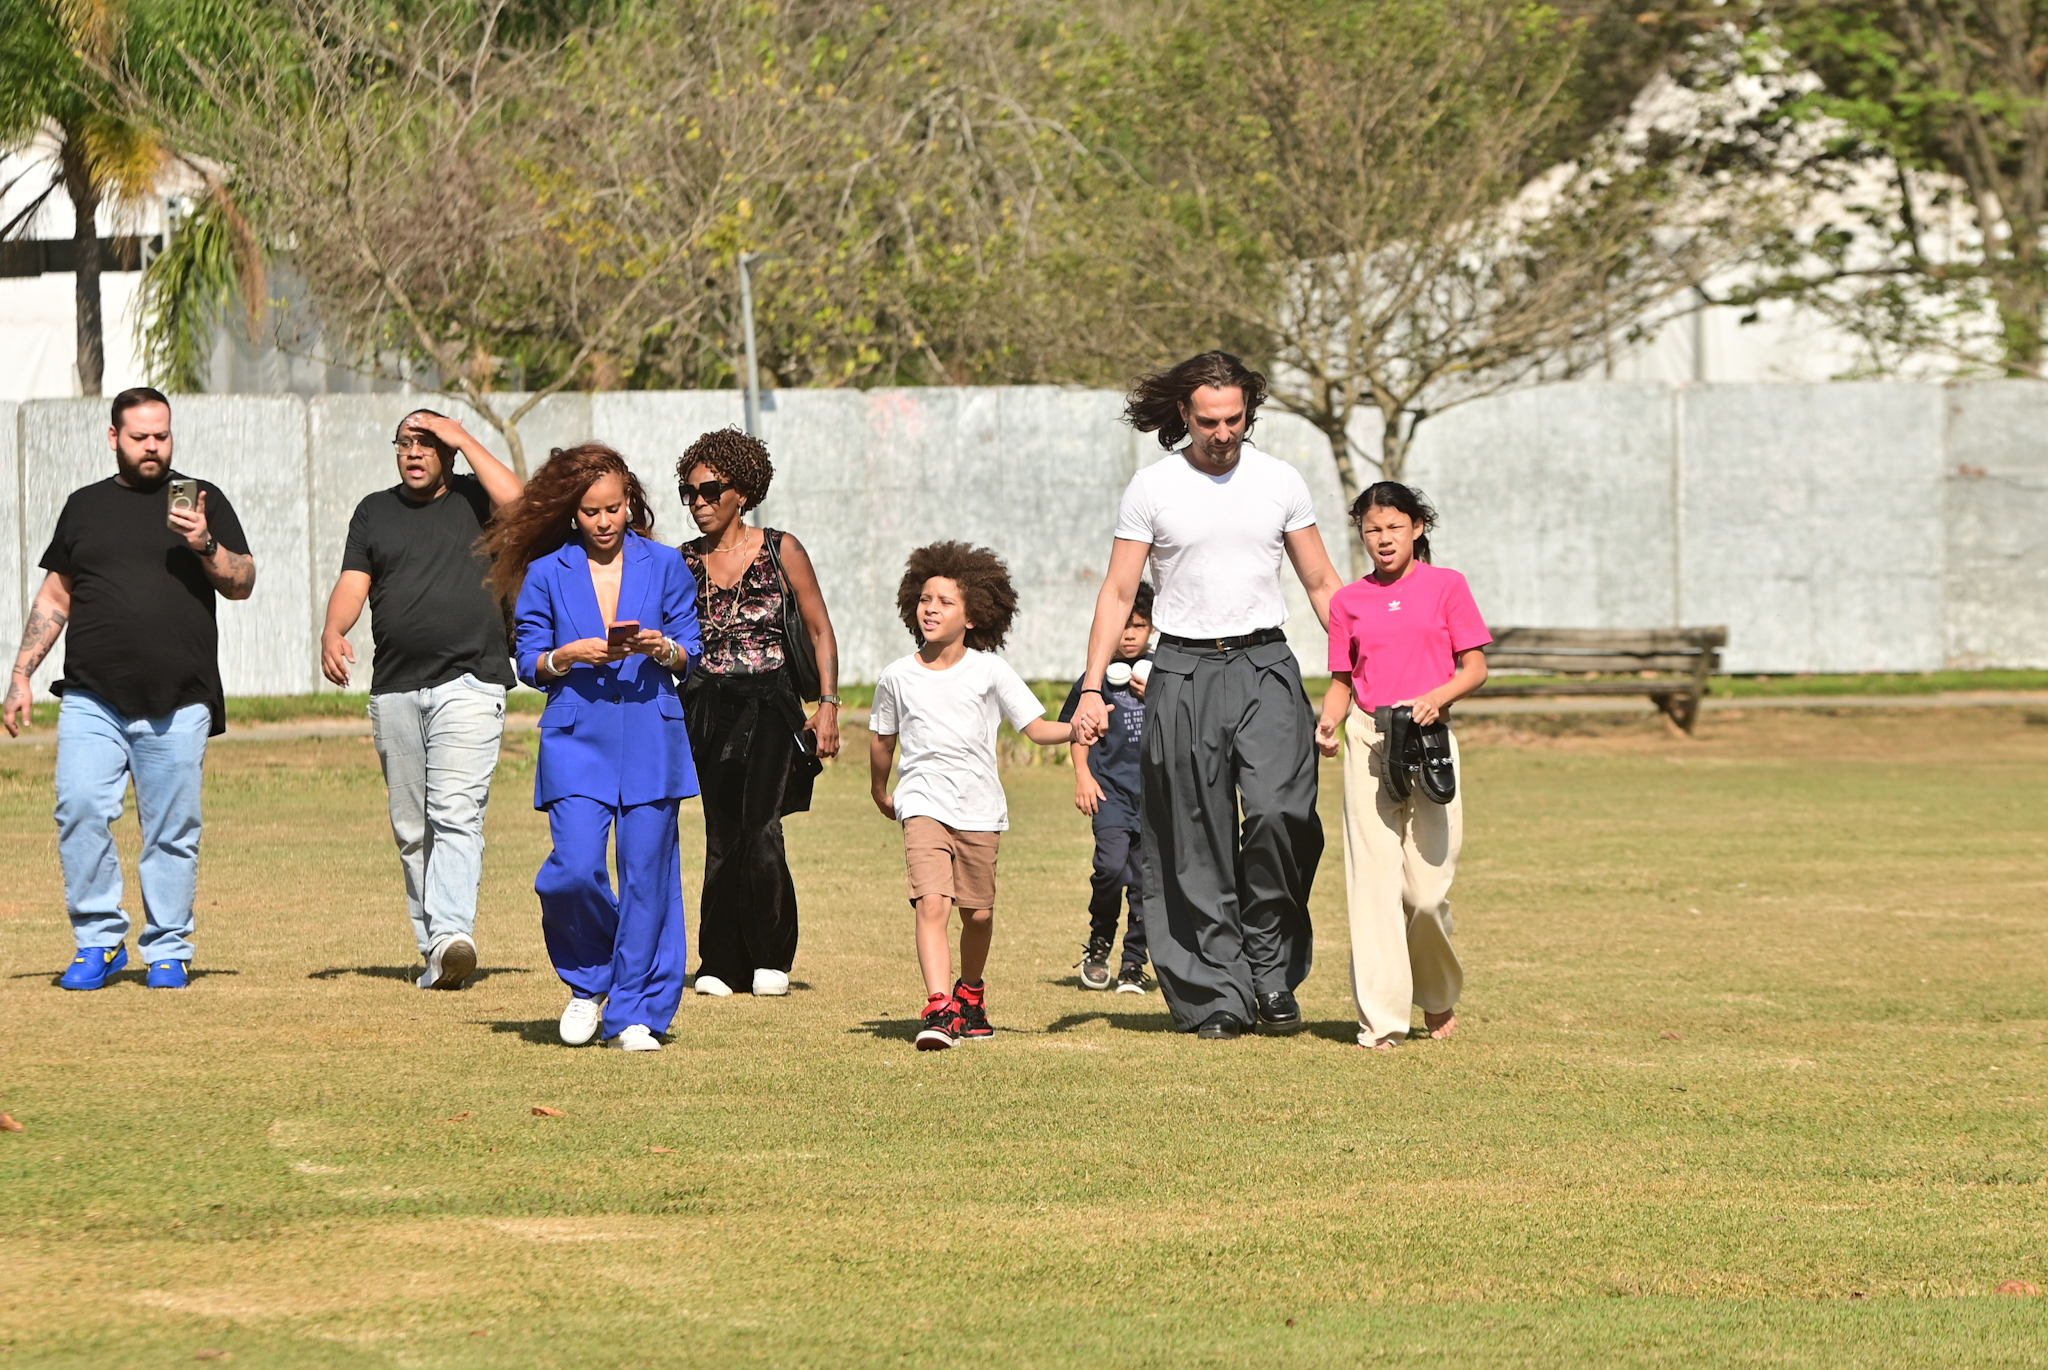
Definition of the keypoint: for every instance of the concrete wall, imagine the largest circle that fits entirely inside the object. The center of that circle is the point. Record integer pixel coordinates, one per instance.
(1836, 527)
(1995, 514)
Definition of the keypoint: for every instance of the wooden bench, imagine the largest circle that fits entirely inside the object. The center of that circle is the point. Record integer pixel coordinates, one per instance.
(1670, 665)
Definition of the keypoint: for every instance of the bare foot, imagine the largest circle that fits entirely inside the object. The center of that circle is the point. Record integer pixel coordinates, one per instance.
(1383, 1044)
(1441, 1025)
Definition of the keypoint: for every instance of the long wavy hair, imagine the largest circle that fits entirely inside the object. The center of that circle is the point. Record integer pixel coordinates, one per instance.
(1154, 404)
(545, 516)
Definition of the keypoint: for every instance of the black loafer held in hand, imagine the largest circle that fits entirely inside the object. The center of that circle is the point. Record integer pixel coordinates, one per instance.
(1398, 747)
(1279, 1014)
(1439, 775)
(1220, 1027)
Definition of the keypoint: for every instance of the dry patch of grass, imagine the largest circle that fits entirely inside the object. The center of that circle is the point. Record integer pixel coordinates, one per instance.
(1751, 1071)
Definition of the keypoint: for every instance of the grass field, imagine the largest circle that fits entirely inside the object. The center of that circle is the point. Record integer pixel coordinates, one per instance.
(1751, 1073)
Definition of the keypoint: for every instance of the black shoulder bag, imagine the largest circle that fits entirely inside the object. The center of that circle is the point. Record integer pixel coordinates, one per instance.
(798, 656)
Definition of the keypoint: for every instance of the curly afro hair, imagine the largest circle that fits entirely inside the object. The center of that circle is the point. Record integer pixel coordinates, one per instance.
(984, 583)
(740, 460)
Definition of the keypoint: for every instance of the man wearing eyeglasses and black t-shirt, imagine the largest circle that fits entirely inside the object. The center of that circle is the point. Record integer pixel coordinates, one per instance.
(442, 667)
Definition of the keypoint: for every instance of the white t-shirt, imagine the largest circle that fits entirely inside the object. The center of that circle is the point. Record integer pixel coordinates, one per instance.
(1216, 541)
(945, 724)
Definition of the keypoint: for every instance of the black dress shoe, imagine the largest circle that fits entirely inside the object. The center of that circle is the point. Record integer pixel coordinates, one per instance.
(1439, 776)
(1220, 1027)
(1278, 1013)
(1396, 726)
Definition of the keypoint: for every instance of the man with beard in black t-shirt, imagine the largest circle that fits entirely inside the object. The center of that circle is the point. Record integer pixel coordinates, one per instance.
(437, 687)
(134, 571)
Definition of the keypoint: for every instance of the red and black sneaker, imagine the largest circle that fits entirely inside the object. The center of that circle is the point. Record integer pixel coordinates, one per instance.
(973, 1001)
(941, 1024)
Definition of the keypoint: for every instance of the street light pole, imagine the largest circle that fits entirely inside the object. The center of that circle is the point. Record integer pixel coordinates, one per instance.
(753, 377)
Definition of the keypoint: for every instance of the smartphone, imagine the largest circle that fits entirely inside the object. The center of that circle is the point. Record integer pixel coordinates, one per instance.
(621, 633)
(185, 496)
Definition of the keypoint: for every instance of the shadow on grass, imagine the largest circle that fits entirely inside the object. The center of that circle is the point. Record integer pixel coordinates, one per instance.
(1337, 1030)
(1122, 1022)
(409, 974)
(539, 1031)
(138, 975)
(890, 1029)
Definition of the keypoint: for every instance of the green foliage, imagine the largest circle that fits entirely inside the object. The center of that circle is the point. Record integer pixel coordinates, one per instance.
(1914, 110)
(188, 292)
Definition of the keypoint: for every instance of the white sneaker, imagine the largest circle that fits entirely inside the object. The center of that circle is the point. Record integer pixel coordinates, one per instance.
(452, 961)
(635, 1037)
(769, 982)
(579, 1021)
(713, 986)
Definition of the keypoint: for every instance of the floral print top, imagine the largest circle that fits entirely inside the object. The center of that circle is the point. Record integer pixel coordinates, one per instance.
(742, 625)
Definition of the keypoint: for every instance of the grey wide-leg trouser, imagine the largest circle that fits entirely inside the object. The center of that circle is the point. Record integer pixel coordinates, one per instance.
(1231, 832)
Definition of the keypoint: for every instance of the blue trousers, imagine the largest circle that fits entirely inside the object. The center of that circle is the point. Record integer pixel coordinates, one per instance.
(98, 751)
(631, 947)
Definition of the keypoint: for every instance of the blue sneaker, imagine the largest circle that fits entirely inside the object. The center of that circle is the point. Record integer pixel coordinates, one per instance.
(94, 966)
(168, 975)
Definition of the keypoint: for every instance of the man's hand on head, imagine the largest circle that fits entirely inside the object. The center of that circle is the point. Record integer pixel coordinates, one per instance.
(449, 432)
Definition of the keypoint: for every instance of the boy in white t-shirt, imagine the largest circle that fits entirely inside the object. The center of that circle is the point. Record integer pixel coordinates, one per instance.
(946, 701)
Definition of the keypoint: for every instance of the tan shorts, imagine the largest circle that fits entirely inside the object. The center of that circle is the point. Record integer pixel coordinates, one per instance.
(945, 860)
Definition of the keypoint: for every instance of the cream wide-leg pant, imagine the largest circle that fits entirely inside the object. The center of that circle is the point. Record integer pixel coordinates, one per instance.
(1399, 857)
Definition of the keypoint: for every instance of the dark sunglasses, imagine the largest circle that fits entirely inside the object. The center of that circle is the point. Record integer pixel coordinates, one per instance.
(711, 491)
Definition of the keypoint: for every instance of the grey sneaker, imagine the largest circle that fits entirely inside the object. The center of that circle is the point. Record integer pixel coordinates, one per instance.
(452, 961)
(1132, 981)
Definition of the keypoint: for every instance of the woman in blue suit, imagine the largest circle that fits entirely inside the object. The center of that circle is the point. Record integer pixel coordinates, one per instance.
(576, 557)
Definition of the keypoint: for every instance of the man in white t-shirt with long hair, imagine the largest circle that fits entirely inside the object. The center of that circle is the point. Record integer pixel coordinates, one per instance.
(1228, 727)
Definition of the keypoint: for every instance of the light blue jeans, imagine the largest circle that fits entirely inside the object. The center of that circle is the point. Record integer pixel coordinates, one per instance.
(98, 750)
(439, 748)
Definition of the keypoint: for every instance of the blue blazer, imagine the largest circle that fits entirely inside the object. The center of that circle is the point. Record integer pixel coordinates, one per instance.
(613, 732)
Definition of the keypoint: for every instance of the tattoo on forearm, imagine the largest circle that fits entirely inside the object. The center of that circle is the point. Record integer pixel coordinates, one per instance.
(44, 626)
(240, 574)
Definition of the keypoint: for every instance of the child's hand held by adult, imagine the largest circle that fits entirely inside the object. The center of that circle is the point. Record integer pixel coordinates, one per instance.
(1326, 736)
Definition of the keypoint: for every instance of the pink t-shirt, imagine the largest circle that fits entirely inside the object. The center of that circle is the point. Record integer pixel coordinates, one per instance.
(1401, 640)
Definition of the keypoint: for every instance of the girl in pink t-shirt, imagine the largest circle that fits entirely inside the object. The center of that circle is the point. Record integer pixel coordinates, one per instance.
(1408, 634)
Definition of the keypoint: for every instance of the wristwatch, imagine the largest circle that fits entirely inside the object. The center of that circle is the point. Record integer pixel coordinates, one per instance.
(833, 700)
(212, 542)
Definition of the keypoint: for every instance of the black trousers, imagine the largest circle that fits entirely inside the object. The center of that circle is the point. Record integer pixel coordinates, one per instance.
(1119, 871)
(1232, 837)
(741, 735)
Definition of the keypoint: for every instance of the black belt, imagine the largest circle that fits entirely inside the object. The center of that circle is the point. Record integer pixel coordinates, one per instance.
(1226, 644)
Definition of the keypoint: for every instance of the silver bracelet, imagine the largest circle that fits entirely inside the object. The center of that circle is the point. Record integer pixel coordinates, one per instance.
(675, 653)
(553, 669)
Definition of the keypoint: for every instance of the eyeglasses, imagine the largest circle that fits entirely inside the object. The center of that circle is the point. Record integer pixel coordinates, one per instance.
(415, 444)
(711, 491)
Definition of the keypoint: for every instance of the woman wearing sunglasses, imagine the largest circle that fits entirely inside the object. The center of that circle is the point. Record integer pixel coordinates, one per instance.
(747, 724)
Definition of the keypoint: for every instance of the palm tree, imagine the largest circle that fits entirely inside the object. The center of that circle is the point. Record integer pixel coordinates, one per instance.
(53, 55)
